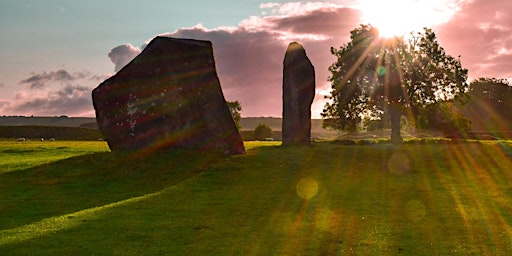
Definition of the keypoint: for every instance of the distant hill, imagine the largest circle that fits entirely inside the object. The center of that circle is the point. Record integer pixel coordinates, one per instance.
(61, 121)
(248, 124)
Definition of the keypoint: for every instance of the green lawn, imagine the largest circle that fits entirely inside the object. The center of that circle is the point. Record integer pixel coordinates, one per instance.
(22, 155)
(327, 199)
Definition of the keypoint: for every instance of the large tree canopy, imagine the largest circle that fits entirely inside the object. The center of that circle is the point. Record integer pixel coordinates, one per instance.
(375, 76)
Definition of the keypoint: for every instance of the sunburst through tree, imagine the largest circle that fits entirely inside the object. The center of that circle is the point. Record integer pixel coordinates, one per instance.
(382, 78)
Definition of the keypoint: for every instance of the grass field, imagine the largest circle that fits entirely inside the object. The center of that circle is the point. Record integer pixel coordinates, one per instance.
(436, 198)
(23, 155)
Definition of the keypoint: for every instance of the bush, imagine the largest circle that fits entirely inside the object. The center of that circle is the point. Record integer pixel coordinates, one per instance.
(262, 132)
(344, 142)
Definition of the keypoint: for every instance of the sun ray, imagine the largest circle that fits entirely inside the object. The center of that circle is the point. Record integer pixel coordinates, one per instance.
(67, 221)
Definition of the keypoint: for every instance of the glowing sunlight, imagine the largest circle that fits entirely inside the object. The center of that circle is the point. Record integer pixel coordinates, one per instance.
(399, 17)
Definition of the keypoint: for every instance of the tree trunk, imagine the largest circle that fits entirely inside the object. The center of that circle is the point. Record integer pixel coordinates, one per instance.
(395, 112)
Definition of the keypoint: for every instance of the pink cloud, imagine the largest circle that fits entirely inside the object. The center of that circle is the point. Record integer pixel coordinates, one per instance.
(249, 57)
(72, 100)
(50, 93)
(481, 32)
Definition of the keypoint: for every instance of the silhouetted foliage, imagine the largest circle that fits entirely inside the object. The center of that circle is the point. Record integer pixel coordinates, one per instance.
(235, 108)
(496, 93)
(490, 104)
(373, 77)
(445, 117)
(262, 132)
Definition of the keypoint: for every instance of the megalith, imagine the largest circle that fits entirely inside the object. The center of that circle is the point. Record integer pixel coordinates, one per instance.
(298, 94)
(169, 96)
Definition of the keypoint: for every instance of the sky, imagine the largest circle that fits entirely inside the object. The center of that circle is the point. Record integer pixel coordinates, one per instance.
(54, 52)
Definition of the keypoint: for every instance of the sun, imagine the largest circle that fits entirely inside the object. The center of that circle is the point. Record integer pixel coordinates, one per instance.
(400, 17)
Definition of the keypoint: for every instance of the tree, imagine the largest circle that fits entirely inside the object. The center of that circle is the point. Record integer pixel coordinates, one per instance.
(490, 104)
(262, 131)
(494, 92)
(373, 77)
(235, 108)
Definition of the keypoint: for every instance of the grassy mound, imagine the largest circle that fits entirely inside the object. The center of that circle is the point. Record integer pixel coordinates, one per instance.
(327, 199)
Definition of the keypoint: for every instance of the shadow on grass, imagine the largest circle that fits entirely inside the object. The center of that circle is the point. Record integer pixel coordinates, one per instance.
(94, 180)
(325, 199)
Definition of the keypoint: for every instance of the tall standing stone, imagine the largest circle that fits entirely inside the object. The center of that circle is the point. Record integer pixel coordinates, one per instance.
(168, 96)
(298, 94)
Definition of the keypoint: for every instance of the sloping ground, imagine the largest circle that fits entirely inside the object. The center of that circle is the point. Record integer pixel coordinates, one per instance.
(416, 199)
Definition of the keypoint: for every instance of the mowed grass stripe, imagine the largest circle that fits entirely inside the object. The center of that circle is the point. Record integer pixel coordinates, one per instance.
(439, 198)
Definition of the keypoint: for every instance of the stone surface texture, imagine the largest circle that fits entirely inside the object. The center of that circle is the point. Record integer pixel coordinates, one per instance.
(298, 94)
(169, 96)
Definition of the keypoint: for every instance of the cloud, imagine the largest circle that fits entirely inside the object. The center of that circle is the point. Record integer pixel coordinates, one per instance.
(38, 81)
(99, 78)
(249, 57)
(2, 85)
(122, 55)
(73, 100)
(481, 32)
(58, 92)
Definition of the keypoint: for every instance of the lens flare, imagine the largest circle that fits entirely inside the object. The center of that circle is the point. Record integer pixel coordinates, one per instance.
(415, 210)
(307, 188)
(399, 164)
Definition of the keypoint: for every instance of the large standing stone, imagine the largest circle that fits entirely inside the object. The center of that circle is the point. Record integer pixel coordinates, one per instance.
(298, 94)
(168, 96)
